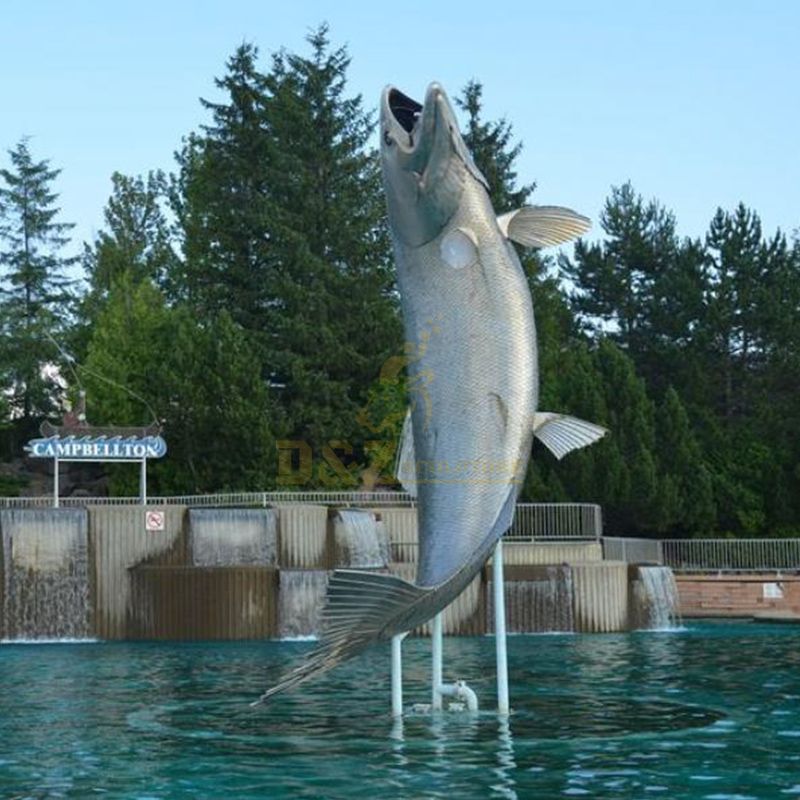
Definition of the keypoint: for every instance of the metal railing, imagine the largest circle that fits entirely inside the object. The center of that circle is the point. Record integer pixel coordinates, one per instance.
(553, 521)
(707, 555)
(633, 551)
(732, 555)
(229, 499)
(532, 521)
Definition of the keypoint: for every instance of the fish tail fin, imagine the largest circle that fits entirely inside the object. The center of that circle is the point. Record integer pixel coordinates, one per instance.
(360, 608)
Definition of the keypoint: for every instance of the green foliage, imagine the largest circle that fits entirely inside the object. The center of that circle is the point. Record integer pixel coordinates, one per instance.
(11, 485)
(34, 292)
(689, 499)
(136, 245)
(490, 144)
(198, 379)
(137, 238)
(711, 327)
(282, 219)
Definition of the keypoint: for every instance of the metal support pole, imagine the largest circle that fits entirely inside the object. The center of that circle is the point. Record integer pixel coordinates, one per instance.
(397, 675)
(436, 653)
(143, 483)
(500, 628)
(55, 482)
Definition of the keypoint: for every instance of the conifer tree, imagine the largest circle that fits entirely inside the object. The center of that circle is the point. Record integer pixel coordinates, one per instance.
(690, 507)
(34, 286)
(135, 246)
(732, 323)
(283, 224)
(493, 150)
(223, 203)
(338, 320)
(147, 360)
(137, 238)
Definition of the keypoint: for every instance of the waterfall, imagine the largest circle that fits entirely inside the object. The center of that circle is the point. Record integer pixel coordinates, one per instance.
(539, 601)
(45, 574)
(361, 541)
(659, 597)
(224, 537)
(301, 597)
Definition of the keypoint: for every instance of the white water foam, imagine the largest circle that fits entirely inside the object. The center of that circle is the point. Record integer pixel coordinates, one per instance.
(66, 640)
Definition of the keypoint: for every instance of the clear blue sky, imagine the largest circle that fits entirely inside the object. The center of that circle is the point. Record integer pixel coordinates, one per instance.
(695, 102)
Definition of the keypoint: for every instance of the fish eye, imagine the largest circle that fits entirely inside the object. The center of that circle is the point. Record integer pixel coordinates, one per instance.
(387, 139)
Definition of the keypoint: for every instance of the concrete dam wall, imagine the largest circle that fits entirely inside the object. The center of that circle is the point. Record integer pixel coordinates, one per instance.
(256, 573)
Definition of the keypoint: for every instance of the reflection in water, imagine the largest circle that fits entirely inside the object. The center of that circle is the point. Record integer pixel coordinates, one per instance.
(396, 735)
(505, 787)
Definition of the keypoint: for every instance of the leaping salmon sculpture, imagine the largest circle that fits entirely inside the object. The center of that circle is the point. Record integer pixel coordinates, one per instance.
(468, 314)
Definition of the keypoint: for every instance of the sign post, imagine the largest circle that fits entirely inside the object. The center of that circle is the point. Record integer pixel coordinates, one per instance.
(114, 449)
(55, 482)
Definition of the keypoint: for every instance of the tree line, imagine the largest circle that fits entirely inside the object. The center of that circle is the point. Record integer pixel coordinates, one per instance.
(246, 302)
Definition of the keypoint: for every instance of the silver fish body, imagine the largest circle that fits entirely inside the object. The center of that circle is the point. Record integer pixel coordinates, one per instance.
(473, 371)
(470, 330)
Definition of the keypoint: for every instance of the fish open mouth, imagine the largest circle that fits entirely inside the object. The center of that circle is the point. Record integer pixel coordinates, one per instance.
(405, 110)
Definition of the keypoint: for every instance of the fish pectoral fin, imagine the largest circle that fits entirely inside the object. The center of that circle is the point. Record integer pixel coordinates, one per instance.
(360, 608)
(405, 467)
(562, 434)
(543, 226)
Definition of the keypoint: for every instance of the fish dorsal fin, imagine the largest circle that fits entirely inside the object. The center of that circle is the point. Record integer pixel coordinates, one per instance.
(562, 434)
(542, 226)
(405, 467)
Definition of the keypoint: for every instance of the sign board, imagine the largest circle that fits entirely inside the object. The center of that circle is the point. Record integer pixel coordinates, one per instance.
(154, 521)
(97, 448)
(772, 591)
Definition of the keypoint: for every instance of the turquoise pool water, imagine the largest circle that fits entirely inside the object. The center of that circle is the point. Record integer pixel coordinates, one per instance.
(710, 712)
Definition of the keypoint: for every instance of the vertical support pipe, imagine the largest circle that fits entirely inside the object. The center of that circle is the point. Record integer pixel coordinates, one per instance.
(436, 658)
(55, 482)
(143, 483)
(498, 581)
(397, 675)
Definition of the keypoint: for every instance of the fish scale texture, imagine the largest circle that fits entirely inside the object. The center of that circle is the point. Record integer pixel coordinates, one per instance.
(473, 385)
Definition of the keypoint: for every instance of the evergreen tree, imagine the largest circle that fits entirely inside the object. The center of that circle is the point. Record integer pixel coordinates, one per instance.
(283, 224)
(642, 286)
(137, 239)
(34, 289)
(135, 246)
(338, 320)
(687, 481)
(222, 421)
(615, 278)
(196, 378)
(492, 148)
(778, 410)
(732, 323)
(223, 205)
(627, 466)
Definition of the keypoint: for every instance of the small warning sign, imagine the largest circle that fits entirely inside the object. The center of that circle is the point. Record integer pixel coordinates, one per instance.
(154, 521)
(772, 591)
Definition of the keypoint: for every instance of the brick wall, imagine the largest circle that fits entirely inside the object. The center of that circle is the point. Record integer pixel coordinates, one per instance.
(739, 595)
